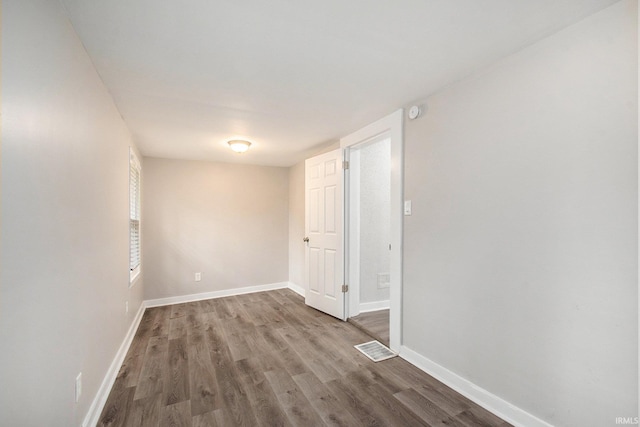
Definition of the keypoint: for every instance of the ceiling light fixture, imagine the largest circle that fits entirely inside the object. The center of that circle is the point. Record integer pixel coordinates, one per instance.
(239, 145)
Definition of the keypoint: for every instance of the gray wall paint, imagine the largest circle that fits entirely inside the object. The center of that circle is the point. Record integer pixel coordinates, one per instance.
(375, 192)
(521, 254)
(228, 221)
(296, 224)
(65, 199)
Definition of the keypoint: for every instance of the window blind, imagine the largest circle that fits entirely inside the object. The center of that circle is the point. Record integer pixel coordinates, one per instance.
(134, 212)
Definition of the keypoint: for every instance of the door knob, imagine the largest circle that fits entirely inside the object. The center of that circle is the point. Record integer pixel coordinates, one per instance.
(306, 240)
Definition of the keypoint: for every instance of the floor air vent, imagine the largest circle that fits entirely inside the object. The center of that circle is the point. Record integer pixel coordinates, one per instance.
(375, 351)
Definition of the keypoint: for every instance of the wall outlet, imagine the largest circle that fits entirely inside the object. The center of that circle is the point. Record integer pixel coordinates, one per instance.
(198, 277)
(383, 280)
(126, 307)
(78, 387)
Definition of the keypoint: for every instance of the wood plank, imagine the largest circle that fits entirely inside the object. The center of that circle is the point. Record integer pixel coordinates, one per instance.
(343, 359)
(234, 309)
(234, 334)
(354, 404)
(194, 318)
(330, 409)
(425, 409)
(151, 375)
(305, 316)
(143, 334)
(269, 358)
(476, 416)
(207, 306)
(146, 411)
(298, 409)
(117, 407)
(237, 406)
(209, 419)
(221, 311)
(272, 316)
(255, 312)
(176, 415)
(176, 380)
(292, 361)
(447, 399)
(129, 371)
(277, 297)
(216, 341)
(265, 403)
(160, 327)
(295, 404)
(204, 393)
(178, 310)
(373, 374)
(343, 347)
(348, 333)
(280, 381)
(386, 406)
(272, 337)
(281, 309)
(177, 327)
(310, 354)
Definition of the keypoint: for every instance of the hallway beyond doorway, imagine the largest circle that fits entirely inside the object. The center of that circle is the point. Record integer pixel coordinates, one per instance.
(373, 323)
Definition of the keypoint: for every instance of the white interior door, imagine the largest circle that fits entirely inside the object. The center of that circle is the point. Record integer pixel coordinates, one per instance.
(324, 261)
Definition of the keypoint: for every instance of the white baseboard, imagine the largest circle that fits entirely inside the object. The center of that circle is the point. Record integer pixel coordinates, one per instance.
(482, 397)
(297, 289)
(93, 415)
(214, 294)
(374, 306)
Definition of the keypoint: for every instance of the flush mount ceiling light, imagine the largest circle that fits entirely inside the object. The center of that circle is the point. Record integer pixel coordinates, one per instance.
(239, 145)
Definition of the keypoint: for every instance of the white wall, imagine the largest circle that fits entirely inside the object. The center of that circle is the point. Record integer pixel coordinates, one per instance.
(521, 254)
(375, 223)
(228, 221)
(64, 273)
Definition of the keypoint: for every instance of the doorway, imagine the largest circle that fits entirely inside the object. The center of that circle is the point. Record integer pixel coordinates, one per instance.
(369, 227)
(388, 128)
(327, 253)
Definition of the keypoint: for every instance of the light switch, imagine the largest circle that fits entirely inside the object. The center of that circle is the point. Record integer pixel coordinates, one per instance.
(407, 207)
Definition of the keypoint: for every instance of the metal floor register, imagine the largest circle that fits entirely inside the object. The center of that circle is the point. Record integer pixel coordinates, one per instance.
(375, 351)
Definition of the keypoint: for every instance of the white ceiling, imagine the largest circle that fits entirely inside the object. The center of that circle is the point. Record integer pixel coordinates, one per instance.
(290, 75)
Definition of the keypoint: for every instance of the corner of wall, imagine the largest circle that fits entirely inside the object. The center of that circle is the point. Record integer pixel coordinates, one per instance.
(97, 405)
(297, 289)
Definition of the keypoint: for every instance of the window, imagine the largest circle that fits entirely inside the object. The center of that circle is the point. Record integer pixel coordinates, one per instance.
(134, 216)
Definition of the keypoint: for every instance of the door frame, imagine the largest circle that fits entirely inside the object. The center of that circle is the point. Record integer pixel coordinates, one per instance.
(392, 125)
(352, 221)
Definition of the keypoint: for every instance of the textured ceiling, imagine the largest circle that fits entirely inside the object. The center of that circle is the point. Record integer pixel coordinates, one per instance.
(291, 75)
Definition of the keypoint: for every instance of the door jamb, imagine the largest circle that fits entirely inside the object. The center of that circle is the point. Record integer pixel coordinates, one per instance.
(393, 125)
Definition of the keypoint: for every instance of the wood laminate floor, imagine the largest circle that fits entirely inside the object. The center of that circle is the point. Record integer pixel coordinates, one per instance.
(374, 323)
(266, 359)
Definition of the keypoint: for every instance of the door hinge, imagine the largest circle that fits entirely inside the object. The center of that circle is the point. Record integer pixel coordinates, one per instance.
(345, 164)
(345, 288)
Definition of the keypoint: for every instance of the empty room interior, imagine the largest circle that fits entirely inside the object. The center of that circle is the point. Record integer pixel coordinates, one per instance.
(206, 205)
